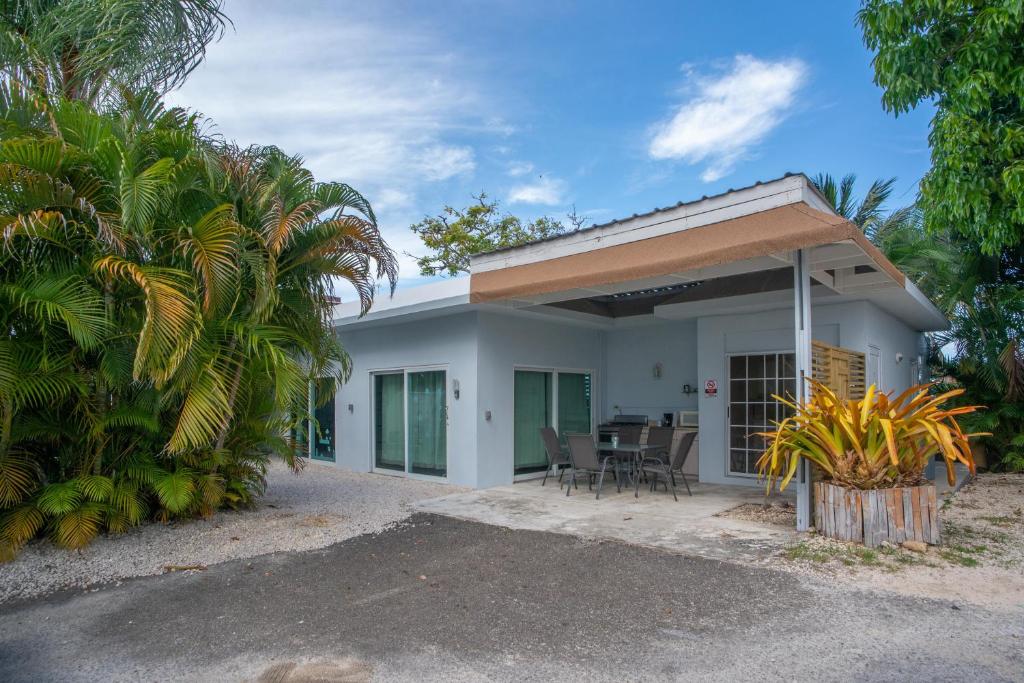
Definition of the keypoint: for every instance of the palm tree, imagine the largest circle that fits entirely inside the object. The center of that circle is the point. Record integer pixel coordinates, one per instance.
(868, 214)
(979, 294)
(166, 301)
(91, 51)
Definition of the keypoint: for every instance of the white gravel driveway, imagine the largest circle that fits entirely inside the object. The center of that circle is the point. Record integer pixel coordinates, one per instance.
(316, 508)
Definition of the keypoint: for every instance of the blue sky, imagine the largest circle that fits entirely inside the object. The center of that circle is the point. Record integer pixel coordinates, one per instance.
(614, 107)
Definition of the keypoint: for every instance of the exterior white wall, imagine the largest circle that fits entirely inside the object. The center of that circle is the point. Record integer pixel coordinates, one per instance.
(892, 337)
(482, 349)
(449, 341)
(854, 325)
(511, 341)
(629, 375)
(769, 331)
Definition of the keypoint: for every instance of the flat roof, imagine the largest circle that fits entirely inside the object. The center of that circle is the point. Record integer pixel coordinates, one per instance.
(659, 210)
(752, 229)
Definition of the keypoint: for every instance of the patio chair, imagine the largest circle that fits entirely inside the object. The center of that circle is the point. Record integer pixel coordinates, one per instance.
(557, 454)
(630, 434)
(665, 470)
(662, 438)
(585, 460)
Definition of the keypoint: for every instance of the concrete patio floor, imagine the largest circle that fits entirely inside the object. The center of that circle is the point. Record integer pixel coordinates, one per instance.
(690, 526)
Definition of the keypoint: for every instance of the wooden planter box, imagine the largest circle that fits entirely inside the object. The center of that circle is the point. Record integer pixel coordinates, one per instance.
(870, 517)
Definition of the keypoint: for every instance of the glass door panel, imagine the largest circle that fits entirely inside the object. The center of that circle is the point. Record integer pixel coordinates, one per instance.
(389, 421)
(428, 423)
(573, 404)
(532, 411)
(753, 378)
(323, 444)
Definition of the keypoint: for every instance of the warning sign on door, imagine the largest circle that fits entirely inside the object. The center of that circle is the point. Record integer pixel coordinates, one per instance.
(711, 388)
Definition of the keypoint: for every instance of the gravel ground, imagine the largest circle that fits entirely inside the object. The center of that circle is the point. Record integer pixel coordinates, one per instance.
(318, 507)
(440, 599)
(778, 514)
(980, 559)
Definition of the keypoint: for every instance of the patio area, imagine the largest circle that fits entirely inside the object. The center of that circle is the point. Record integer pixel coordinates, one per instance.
(693, 526)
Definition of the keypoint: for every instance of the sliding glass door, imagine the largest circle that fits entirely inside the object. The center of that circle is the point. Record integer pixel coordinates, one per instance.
(389, 421)
(410, 422)
(428, 423)
(548, 398)
(533, 411)
(574, 409)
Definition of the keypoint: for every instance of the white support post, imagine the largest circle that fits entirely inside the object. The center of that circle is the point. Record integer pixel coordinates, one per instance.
(802, 328)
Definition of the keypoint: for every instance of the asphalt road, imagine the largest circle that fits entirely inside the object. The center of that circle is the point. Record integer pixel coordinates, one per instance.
(444, 599)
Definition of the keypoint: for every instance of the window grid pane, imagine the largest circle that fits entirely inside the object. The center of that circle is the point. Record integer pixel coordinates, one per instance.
(753, 379)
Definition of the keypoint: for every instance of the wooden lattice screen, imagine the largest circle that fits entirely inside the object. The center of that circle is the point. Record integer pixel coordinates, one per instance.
(842, 370)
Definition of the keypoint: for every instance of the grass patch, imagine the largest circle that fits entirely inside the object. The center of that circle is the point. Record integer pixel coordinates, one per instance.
(867, 557)
(849, 555)
(1005, 520)
(804, 551)
(969, 549)
(908, 560)
(955, 557)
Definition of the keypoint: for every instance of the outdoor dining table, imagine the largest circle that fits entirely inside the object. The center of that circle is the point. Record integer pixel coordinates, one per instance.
(633, 451)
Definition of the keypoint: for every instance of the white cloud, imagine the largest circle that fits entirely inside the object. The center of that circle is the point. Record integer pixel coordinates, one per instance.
(729, 114)
(440, 162)
(364, 96)
(520, 168)
(548, 191)
(391, 199)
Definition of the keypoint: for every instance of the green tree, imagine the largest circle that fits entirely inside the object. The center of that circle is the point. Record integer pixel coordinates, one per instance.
(982, 350)
(966, 57)
(980, 295)
(90, 50)
(454, 235)
(869, 214)
(165, 301)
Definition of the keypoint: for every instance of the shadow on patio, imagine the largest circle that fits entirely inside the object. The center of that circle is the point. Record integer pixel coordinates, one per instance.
(692, 526)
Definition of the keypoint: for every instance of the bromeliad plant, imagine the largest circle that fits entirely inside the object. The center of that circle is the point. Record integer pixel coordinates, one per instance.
(869, 443)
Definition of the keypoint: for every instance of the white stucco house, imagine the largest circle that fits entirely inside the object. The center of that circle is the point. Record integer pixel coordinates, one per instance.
(696, 312)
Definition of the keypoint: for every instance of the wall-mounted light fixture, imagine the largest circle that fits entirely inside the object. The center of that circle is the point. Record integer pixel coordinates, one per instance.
(658, 369)
(899, 358)
(351, 408)
(455, 389)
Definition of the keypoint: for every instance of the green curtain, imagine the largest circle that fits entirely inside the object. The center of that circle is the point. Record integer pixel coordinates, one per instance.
(389, 421)
(532, 410)
(573, 404)
(428, 453)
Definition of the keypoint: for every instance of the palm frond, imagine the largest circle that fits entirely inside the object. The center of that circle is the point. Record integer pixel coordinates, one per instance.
(174, 490)
(203, 413)
(172, 317)
(19, 476)
(67, 300)
(212, 247)
(76, 528)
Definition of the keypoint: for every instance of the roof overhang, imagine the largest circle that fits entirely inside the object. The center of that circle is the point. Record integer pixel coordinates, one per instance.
(776, 231)
(714, 245)
(745, 231)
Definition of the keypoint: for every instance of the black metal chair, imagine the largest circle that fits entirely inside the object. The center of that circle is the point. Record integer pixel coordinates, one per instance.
(661, 438)
(664, 471)
(557, 455)
(585, 460)
(630, 434)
